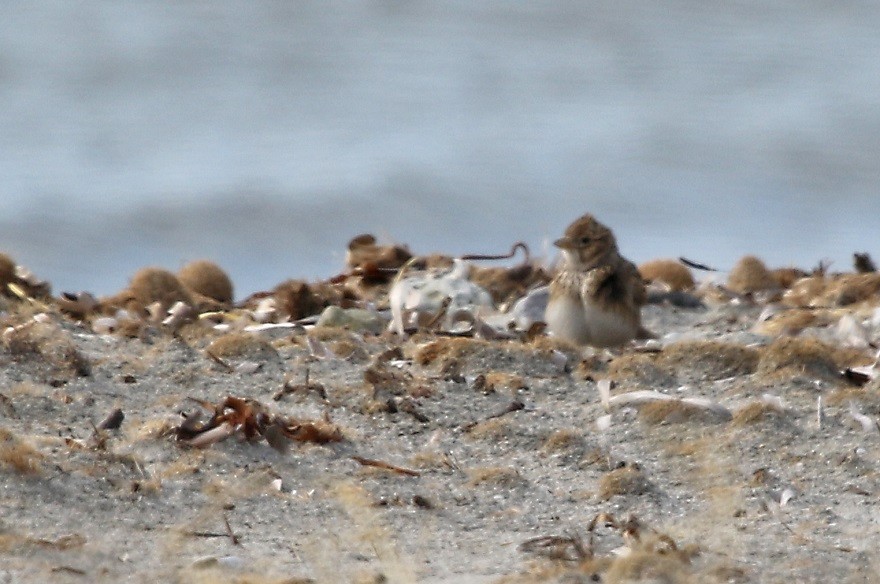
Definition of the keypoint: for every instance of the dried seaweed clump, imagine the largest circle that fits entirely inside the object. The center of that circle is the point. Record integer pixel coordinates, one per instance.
(672, 274)
(370, 257)
(710, 359)
(750, 275)
(47, 341)
(243, 345)
(150, 285)
(253, 421)
(794, 356)
(207, 279)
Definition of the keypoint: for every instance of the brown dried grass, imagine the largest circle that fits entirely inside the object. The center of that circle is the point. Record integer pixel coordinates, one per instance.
(788, 357)
(17, 455)
(243, 345)
(673, 273)
(626, 480)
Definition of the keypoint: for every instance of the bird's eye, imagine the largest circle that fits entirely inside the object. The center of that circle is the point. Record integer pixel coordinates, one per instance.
(585, 240)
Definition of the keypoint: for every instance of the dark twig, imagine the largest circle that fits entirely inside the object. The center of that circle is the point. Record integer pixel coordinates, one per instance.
(507, 256)
(386, 466)
(229, 368)
(234, 538)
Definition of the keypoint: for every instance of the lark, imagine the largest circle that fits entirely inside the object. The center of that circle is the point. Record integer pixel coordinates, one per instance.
(596, 296)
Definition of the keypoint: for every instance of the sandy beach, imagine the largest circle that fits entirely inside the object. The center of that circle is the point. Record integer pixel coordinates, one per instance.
(740, 446)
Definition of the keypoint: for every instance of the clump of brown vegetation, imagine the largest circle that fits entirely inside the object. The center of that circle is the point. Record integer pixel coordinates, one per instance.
(670, 273)
(797, 356)
(207, 279)
(639, 368)
(676, 411)
(18, 282)
(493, 429)
(710, 359)
(151, 285)
(297, 299)
(244, 346)
(341, 342)
(786, 277)
(7, 272)
(566, 439)
(455, 355)
(211, 571)
(494, 476)
(757, 411)
(649, 565)
(49, 342)
(627, 479)
(803, 292)
(372, 267)
(713, 359)
(493, 381)
(383, 378)
(867, 395)
(791, 322)
(850, 289)
(749, 275)
(834, 291)
(444, 350)
(373, 259)
(17, 455)
(647, 556)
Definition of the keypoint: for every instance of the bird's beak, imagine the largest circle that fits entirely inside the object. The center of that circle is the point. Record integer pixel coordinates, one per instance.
(564, 243)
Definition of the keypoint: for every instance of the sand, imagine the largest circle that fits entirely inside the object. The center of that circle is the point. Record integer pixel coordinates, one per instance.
(489, 445)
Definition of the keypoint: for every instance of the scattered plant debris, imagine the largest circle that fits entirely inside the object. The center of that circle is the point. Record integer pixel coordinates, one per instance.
(385, 466)
(253, 421)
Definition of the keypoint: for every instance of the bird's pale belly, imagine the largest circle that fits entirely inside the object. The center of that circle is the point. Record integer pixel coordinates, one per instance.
(569, 319)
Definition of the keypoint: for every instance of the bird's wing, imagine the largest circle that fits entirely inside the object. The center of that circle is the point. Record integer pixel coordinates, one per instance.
(593, 280)
(635, 283)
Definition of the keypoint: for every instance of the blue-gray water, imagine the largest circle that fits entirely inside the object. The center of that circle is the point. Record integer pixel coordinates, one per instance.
(264, 135)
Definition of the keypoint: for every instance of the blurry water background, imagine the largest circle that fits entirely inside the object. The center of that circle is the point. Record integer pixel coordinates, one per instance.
(265, 134)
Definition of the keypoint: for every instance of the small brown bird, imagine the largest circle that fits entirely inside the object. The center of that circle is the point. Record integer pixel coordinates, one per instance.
(596, 296)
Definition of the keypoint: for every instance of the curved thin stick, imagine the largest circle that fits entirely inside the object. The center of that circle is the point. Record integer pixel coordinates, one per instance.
(517, 245)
